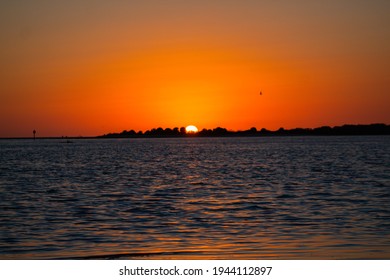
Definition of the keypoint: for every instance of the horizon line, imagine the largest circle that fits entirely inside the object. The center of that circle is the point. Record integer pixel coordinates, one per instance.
(154, 131)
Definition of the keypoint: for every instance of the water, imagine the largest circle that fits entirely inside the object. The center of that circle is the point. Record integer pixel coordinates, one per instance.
(196, 198)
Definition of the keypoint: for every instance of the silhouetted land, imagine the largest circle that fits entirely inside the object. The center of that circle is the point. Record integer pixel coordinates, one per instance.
(371, 129)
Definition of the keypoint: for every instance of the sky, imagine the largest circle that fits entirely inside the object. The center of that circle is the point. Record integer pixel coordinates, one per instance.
(86, 68)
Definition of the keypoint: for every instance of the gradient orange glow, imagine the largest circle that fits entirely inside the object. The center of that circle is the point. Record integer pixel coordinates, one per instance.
(141, 66)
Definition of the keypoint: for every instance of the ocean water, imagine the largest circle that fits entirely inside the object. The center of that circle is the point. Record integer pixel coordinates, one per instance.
(196, 198)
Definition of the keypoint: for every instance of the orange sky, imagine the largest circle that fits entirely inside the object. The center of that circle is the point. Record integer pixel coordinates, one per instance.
(93, 67)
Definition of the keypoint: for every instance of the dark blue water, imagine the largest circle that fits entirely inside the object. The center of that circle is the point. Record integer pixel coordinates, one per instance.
(196, 198)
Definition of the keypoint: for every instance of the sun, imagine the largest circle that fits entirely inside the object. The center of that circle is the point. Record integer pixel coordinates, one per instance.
(191, 129)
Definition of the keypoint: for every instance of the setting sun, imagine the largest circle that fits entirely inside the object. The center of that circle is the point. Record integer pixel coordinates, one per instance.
(191, 129)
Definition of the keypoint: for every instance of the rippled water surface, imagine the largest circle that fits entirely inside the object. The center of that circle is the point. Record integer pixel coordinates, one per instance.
(194, 198)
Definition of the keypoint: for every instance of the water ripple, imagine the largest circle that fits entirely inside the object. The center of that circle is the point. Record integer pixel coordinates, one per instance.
(245, 198)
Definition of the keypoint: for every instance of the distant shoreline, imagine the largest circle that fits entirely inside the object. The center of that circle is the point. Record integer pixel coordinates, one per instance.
(344, 130)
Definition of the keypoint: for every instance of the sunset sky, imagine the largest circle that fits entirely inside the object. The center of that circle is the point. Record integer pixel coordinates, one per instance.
(93, 67)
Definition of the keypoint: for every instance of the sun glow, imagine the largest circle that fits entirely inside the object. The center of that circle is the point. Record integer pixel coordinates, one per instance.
(191, 129)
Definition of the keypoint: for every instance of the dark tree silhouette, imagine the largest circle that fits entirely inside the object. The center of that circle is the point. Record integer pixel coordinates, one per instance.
(372, 129)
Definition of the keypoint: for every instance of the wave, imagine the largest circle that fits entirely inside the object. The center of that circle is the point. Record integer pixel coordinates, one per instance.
(128, 255)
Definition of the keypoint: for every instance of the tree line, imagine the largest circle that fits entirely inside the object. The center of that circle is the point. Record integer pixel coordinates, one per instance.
(371, 129)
